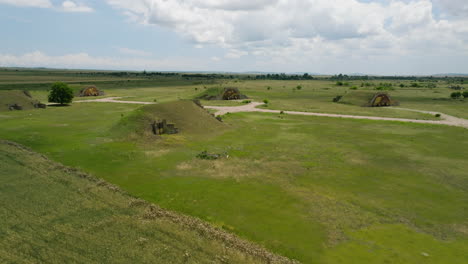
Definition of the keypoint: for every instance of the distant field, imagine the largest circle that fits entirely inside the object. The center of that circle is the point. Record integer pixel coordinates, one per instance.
(52, 214)
(315, 189)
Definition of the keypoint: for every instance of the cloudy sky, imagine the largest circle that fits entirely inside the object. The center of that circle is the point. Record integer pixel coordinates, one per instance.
(315, 36)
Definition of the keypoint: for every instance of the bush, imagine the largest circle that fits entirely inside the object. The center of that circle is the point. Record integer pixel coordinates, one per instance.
(465, 94)
(437, 115)
(269, 88)
(455, 95)
(337, 98)
(60, 93)
(353, 88)
(265, 101)
(299, 87)
(246, 101)
(210, 156)
(456, 87)
(339, 83)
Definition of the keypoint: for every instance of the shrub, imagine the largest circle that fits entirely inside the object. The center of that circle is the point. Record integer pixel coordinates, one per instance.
(281, 112)
(456, 87)
(455, 95)
(246, 101)
(353, 88)
(60, 93)
(437, 115)
(299, 87)
(269, 88)
(337, 98)
(265, 101)
(210, 156)
(465, 94)
(402, 85)
(339, 83)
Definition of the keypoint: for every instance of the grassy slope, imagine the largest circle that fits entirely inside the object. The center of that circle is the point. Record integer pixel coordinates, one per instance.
(15, 97)
(54, 214)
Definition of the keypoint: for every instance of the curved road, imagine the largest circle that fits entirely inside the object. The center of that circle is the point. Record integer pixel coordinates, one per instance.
(252, 107)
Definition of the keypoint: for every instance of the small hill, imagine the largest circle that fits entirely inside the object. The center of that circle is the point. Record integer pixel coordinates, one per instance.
(14, 97)
(364, 98)
(228, 93)
(187, 116)
(55, 214)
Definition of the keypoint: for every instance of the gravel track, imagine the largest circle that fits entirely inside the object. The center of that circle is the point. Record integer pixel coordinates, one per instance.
(252, 107)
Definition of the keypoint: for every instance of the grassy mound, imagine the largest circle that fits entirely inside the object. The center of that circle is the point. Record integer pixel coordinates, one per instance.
(11, 97)
(218, 93)
(188, 117)
(210, 93)
(363, 98)
(359, 98)
(54, 214)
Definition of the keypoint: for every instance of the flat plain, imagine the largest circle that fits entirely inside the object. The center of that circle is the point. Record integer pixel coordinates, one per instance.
(314, 189)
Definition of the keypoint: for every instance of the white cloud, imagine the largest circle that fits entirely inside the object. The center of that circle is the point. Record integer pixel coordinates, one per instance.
(70, 6)
(313, 28)
(235, 54)
(86, 61)
(28, 3)
(453, 7)
(66, 6)
(134, 52)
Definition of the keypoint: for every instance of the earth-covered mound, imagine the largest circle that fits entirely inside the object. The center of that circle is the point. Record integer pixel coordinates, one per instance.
(368, 99)
(228, 93)
(91, 91)
(18, 100)
(186, 116)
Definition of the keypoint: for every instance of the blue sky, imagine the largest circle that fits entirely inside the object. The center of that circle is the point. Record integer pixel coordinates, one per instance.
(315, 36)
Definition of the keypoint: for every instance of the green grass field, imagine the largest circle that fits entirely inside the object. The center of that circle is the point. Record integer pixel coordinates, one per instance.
(54, 214)
(315, 189)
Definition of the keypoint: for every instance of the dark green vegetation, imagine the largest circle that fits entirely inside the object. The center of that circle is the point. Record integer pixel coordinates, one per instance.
(60, 93)
(21, 98)
(55, 214)
(320, 190)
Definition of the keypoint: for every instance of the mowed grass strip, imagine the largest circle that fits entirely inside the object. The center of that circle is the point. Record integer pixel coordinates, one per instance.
(55, 214)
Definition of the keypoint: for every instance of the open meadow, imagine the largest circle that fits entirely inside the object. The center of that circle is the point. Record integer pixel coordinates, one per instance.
(312, 189)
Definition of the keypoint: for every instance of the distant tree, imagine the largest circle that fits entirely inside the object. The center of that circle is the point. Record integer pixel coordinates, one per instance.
(456, 95)
(60, 93)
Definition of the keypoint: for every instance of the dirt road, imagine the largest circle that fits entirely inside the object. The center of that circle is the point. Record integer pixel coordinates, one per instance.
(252, 107)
